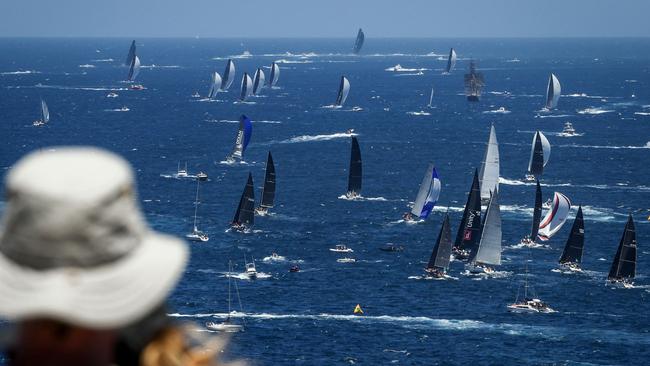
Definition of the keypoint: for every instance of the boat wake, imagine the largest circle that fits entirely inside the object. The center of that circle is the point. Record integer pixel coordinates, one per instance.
(87, 66)
(429, 278)
(244, 276)
(501, 110)
(63, 87)
(285, 61)
(234, 162)
(522, 245)
(123, 109)
(482, 276)
(420, 113)
(20, 72)
(399, 68)
(642, 113)
(552, 115)
(362, 198)
(154, 66)
(594, 111)
(103, 60)
(233, 121)
(312, 138)
(646, 146)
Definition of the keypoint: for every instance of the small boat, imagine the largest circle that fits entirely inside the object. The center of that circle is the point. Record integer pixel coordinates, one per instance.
(349, 131)
(294, 268)
(241, 141)
(181, 172)
(553, 91)
(244, 216)
(201, 176)
(441, 254)
(196, 234)
(124, 109)
(346, 260)
(488, 251)
(529, 304)
(540, 153)
(112, 95)
(555, 217)
(427, 196)
(489, 172)
(340, 248)
(358, 43)
(473, 83)
(45, 115)
(355, 171)
(529, 240)
(136, 87)
(196, 95)
(469, 230)
(251, 271)
(227, 325)
(275, 74)
(623, 268)
(358, 310)
(390, 247)
(356, 109)
(572, 253)
(344, 90)
(228, 75)
(268, 191)
(451, 61)
(568, 130)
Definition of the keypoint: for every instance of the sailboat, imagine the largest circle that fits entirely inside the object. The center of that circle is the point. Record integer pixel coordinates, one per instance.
(553, 91)
(228, 75)
(489, 172)
(473, 83)
(451, 61)
(268, 191)
(441, 255)
(623, 267)
(355, 172)
(134, 69)
(275, 74)
(430, 105)
(529, 240)
(572, 254)
(469, 230)
(488, 251)
(555, 217)
(243, 138)
(358, 43)
(529, 304)
(227, 325)
(246, 87)
(45, 115)
(215, 85)
(258, 81)
(344, 90)
(427, 196)
(196, 234)
(244, 216)
(131, 55)
(540, 153)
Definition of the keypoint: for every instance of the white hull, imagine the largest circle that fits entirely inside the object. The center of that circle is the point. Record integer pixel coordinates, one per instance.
(224, 327)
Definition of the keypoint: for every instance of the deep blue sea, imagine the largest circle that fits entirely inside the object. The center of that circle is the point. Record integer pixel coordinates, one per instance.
(306, 318)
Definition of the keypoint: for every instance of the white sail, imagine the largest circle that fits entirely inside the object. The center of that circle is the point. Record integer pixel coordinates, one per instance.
(215, 85)
(344, 90)
(430, 98)
(489, 173)
(275, 74)
(489, 248)
(428, 193)
(246, 87)
(451, 61)
(553, 91)
(258, 81)
(535, 164)
(546, 147)
(555, 217)
(135, 68)
(228, 75)
(45, 112)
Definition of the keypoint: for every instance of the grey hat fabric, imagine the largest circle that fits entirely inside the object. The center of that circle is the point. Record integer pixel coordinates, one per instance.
(74, 245)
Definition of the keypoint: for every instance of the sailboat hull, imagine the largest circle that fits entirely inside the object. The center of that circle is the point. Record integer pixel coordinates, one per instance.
(473, 98)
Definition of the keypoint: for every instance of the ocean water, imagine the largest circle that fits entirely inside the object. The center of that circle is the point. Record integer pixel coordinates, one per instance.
(306, 317)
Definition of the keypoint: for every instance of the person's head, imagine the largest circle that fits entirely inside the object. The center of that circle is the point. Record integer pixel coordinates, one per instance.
(78, 263)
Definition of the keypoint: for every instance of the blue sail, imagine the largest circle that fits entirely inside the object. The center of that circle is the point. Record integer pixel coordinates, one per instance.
(243, 138)
(432, 197)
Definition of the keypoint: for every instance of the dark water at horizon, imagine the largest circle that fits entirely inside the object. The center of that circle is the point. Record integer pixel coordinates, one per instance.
(306, 317)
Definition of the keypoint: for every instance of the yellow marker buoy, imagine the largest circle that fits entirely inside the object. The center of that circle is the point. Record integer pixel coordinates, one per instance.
(357, 310)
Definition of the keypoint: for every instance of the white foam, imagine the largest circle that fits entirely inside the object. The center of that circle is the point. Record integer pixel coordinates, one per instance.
(87, 66)
(642, 113)
(154, 66)
(103, 60)
(399, 68)
(312, 138)
(20, 72)
(497, 111)
(271, 258)
(594, 111)
(420, 113)
(285, 61)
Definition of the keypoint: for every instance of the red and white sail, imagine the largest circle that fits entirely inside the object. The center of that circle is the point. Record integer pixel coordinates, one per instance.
(555, 217)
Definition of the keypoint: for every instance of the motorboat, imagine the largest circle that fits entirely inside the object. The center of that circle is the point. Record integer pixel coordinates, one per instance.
(202, 176)
(568, 130)
(136, 87)
(340, 248)
(251, 272)
(225, 326)
(112, 95)
(124, 109)
(346, 260)
(196, 95)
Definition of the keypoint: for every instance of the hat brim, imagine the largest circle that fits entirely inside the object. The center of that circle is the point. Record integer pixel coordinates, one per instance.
(108, 296)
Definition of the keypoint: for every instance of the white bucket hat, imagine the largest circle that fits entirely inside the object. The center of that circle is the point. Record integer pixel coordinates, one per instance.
(74, 245)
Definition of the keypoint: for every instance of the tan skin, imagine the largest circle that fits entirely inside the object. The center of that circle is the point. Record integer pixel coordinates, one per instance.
(52, 343)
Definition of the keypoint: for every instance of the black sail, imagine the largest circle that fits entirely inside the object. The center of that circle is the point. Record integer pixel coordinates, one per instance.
(537, 212)
(624, 265)
(470, 225)
(361, 37)
(245, 214)
(354, 178)
(268, 192)
(574, 245)
(536, 167)
(441, 255)
(131, 55)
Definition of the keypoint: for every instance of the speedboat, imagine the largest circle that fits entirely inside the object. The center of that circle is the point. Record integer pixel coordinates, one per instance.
(124, 109)
(529, 178)
(196, 95)
(201, 176)
(294, 268)
(136, 87)
(568, 130)
(346, 260)
(390, 247)
(197, 235)
(251, 272)
(340, 248)
(225, 326)
(530, 306)
(112, 95)
(181, 172)
(356, 109)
